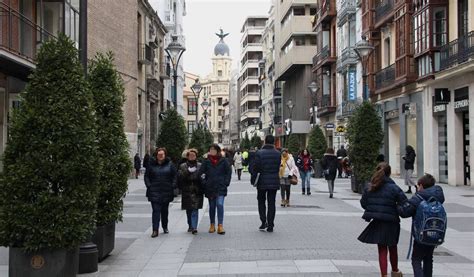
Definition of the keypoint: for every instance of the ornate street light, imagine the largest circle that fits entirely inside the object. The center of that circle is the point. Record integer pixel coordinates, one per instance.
(175, 50)
(313, 89)
(196, 89)
(290, 106)
(363, 50)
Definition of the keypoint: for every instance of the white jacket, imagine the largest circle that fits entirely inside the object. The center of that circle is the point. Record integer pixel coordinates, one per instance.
(291, 168)
(238, 161)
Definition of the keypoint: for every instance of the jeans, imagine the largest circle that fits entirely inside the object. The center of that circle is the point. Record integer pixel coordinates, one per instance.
(422, 254)
(160, 211)
(331, 186)
(217, 203)
(305, 180)
(267, 195)
(193, 216)
(408, 180)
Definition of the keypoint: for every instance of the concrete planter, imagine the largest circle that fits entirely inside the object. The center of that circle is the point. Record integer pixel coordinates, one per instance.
(104, 238)
(45, 263)
(318, 170)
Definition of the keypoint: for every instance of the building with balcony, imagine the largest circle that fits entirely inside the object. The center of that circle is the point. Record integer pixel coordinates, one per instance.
(234, 109)
(251, 53)
(190, 103)
(444, 51)
(215, 92)
(24, 26)
(295, 46)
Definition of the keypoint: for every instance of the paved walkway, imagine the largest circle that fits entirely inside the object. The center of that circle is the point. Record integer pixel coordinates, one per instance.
(317, 236)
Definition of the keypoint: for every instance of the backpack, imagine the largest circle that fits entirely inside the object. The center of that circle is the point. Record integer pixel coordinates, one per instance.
(430, 222)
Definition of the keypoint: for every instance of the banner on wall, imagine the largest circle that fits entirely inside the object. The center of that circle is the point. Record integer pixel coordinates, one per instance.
(352, 83)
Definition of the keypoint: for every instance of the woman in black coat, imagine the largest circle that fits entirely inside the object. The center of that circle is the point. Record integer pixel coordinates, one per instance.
(380, 203)
(330, 164)
(160, 181)
(409, 159)
(190, 184)
(216, 174)
(137, 164)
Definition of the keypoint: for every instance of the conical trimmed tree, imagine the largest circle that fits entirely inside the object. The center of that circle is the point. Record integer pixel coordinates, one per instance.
(48, 196)
(365, 136)
(173, 135)
(245, 143)
(317, 143)
(256, 141)
(109, 98)
(293, 144)
(201, 140)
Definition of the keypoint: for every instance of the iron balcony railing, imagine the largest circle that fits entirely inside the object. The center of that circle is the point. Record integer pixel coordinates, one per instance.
(457, 51)
(347, 8)
(385, 77)
(383, 9)
(20, 35)
(348, 57)
(326, 101)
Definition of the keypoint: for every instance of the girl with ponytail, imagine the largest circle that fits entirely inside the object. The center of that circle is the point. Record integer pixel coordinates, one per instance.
(380, 202)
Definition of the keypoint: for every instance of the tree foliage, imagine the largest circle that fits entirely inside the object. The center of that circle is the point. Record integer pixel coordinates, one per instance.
(48, 195)
(201, 140)
(317, 143)
(245, 143)
(293, 144)
(256, 141)
(173, 134)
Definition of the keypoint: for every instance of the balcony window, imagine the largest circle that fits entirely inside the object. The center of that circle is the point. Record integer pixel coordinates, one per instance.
(57, 16)
(327, 83)
(439, 27)
(191, 127)
(421, 31)
(192, 106)
(424, 66)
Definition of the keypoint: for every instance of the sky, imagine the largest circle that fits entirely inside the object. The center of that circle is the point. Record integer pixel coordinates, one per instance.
(203, 20)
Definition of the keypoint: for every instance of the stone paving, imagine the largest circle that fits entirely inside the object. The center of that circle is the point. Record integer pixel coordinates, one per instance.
(317, 236)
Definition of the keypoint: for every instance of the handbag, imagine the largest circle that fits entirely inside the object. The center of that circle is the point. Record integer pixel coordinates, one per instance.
(293, 179)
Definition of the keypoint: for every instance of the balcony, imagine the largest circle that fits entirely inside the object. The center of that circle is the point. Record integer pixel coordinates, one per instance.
(297, 25)
(348, 57)
(384, 11)
(287, 4)
(325, 106)
(249, 80)
(145, 54)
(295, 58)
(250, 96)
(327, 11)
(457, 51)
(347, 8)
(385, 77)
(326, 56)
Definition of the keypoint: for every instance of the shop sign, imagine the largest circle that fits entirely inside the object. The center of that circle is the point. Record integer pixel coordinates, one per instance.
(439, 109)
(441, 96)
(330, 126)
(341, 129)
(393, 114)
(352, 85)
(461, 100)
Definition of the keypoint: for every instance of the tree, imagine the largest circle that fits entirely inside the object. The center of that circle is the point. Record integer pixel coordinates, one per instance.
(245, 143)
(365, 136)
(256, 141)
(48, 195)
(108, 92)
(317, 143)
(201, 140)
(173, 135)
(293, 144)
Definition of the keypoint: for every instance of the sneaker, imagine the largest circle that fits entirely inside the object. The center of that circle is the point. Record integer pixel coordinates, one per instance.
(190, 230)
(263, 227)
(270, 229)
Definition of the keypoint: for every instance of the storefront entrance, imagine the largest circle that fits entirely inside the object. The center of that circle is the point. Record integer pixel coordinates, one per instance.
(467, 167)
(394, 149)
(443, 148)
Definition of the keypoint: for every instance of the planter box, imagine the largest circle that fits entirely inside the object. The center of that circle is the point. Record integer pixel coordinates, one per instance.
(45, 263)
(354, 184)
(104, 238)
(318, 170)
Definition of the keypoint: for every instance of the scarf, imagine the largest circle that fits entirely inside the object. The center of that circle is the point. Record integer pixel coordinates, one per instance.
(214, 159)
(283, 165)
(306, 165)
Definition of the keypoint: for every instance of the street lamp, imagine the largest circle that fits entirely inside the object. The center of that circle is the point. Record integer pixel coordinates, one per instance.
(363, 50)
(196, 89)
(290, 106)
(313, 89)
(205, 106)
(175, 50)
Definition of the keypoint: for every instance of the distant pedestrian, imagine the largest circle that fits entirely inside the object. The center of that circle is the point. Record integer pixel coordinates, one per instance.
(266, 168)
(380, 202)
(329, 164)
(137, 164)
(305, 165)
(422, 257)
(238, 164)
(146, 160)
(409, 159)
(216, 174)
(287, 169)
(189, 182)
(245, 160)
(160, 181)
(341, 154)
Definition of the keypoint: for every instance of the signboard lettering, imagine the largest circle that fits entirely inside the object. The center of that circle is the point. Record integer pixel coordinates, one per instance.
(352, 85)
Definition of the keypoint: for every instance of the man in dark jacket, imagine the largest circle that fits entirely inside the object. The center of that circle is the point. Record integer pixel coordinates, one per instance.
(137, 164)
(340, 154)
(409, 159)
(266, 167)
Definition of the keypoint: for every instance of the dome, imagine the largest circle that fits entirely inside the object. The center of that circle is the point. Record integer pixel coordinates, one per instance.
(221, 49)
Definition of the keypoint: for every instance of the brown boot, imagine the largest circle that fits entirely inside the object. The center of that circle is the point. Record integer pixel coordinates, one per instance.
(212, 229)
(397, 274)
(220, 229)
(283, 203)
(288, 202)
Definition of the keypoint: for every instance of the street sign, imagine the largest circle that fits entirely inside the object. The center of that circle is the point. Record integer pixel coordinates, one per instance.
(330, 126)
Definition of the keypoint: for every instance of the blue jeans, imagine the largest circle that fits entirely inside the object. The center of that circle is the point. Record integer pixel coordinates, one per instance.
(217, 203)
(193, 216)
(160, 211)
(305, 179)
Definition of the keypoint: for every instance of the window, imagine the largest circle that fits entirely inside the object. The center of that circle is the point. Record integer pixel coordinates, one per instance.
(313, 41)
(192, 106)
(191, 127)
(424, 66)
(326, 83)
(352, 33)
(139, 106)
(387, 52)
(439, 27)
(219, 101)
(298, 11)
(312, 11)
(462, 18)
(299, 41)
(219, 73)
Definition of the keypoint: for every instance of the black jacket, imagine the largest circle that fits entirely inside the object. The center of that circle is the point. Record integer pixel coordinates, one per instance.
(146, 161)
(410, 159)
(191, 188)
(160, 181)
(300, 163)
(137, 162)
(382, 203)
(330, 162)
(267, 163)
(409, 209)
(251, 159)
(216, 177)
(341, 153)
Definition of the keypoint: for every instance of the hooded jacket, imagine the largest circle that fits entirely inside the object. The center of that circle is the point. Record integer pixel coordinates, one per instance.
(160, 181)
(409, 209)
(216, 177)
(267, 163)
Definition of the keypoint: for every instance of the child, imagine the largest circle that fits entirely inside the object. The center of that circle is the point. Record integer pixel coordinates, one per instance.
(426, 188)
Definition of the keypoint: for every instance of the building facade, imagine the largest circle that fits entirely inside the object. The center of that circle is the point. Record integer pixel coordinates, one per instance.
(295, 46)
(190, 102)
(234, 109)
(251, 55)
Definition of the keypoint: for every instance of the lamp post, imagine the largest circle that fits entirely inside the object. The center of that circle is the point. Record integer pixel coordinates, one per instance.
(205, 106)
(363, 50)
(196, 89)
(290, 106)
(175, 50)
(313, 89)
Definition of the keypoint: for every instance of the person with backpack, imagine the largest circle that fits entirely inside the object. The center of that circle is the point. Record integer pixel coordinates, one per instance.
(380, 201)
(426, 203)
